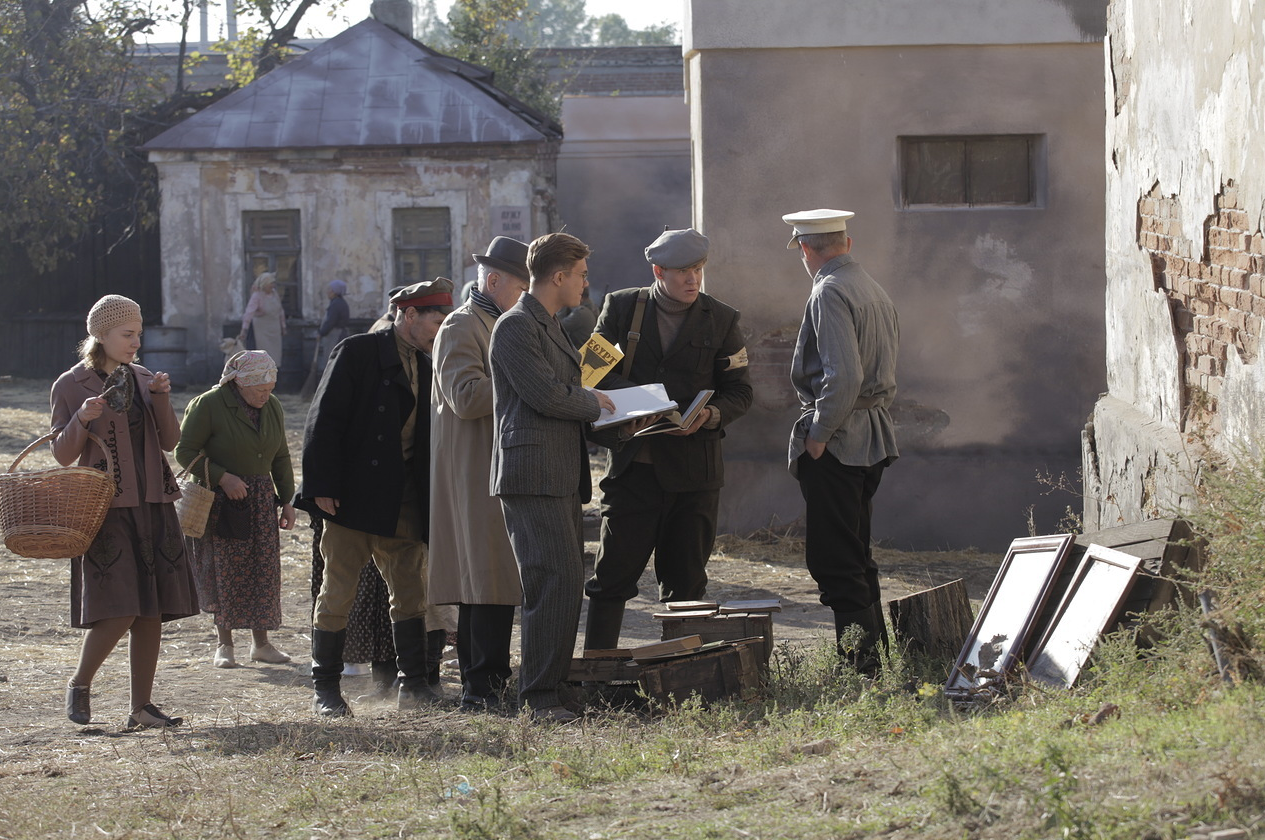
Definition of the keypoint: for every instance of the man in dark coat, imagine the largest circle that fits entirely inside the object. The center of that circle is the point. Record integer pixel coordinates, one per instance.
(366, 472)
(661, 492)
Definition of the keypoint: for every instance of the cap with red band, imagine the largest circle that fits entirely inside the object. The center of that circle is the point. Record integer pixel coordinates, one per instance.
(437, 292)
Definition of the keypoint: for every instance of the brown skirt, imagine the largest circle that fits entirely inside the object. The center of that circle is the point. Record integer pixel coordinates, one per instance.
(137, 565)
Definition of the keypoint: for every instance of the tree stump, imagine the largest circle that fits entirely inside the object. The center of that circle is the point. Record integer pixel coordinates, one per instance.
(934, 621)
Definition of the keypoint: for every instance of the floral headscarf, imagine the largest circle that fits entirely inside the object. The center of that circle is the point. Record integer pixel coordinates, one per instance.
(249, 367)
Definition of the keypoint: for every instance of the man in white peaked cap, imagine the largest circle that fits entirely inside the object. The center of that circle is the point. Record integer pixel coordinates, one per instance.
(844, 371)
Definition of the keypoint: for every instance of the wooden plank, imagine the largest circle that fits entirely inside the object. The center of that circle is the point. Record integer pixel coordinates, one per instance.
(935, 621)
(667, 646)
(670, 614)
(693, 605)
(762, 605)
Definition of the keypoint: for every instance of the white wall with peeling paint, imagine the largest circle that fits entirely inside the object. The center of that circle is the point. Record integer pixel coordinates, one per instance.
(1185, 99)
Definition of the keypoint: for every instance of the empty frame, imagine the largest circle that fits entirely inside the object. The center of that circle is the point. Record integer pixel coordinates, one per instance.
(1006, 618)
(1093, 598)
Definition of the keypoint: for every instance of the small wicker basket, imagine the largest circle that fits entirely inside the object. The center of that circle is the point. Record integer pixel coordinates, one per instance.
(54, 513)
(194, 505)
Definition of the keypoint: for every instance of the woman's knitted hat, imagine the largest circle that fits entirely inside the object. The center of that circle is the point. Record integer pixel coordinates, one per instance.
(109, 312)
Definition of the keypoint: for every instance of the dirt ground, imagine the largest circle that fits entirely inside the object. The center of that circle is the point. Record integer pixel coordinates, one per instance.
(38, 648)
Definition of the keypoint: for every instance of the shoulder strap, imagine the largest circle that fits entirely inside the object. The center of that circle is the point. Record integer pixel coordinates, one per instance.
(634, 332)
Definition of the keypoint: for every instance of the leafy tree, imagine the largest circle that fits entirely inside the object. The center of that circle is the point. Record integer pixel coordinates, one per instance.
(613, 31)
(75, 104)
(481, 34)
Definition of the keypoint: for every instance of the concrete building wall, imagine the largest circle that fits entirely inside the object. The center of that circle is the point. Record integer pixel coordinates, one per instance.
(623, 173)
(345, 202)
(1001, 308)
(1185, 253)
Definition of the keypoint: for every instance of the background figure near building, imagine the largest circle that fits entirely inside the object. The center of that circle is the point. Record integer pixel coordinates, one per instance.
(135, 575)
(540, 463)
(661, 493)
(844, 371)
(366, 471)
(471, 560)
(578, 321)
(337, 322)
(266, 313)
(240, 428)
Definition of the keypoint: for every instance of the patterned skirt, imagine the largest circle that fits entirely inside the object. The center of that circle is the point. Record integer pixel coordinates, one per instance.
(137, 565)
(239, 580)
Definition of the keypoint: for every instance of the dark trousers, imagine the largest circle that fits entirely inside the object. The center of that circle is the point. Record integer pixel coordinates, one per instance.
(547, 534)
(839, 502)
(483, 648)
(640, 517)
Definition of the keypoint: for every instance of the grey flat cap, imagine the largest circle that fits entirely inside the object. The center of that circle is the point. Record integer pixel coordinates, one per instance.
(677, 249)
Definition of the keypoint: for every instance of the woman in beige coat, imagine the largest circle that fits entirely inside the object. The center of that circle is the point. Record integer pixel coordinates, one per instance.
(471, 561)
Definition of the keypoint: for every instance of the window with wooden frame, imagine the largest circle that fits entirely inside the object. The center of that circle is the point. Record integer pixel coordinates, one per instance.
(423, 244)
(273, 244)
(1001, 170)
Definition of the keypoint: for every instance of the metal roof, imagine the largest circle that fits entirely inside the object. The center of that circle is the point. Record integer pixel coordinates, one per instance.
(367, 86)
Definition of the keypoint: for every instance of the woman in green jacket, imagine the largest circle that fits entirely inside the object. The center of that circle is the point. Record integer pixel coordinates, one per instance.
(240, 427)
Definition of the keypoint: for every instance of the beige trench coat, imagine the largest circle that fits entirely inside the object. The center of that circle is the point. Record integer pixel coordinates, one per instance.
(471, 561)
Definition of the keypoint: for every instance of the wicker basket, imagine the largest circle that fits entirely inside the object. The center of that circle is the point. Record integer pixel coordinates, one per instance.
(194, 505)
(57, 512)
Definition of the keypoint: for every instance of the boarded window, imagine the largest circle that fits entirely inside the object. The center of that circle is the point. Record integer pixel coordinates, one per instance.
(969, 171)
(423, 244)
(272, 244)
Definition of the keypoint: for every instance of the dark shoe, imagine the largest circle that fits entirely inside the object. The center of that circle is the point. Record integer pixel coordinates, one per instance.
(864, 656)
(554, 714)
(606, 618)
(78, 707)
(149, 717)
(385, 682)
(330, 703)
(414, 697)
(474, 703)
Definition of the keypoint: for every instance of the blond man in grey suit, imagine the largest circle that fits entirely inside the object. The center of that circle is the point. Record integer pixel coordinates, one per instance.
(540, 463)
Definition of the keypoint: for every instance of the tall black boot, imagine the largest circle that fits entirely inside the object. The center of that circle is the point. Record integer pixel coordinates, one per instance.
(410, 657)
(436, 641)
(327, 672)
(606, 618)
(863, 656)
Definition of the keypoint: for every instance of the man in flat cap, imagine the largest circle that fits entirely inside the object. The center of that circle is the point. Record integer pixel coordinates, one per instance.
(540, 464)
(471, 560)
(366, 472)
(844, 371)
(661, 493)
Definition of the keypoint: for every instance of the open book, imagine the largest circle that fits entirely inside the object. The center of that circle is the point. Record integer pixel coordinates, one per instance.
(674, 421)
(598, 357)
(634, 402)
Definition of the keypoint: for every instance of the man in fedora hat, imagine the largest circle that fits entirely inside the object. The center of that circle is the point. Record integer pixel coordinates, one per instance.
(471, 560)
(366, 472)
(844, 371)
(661, 493)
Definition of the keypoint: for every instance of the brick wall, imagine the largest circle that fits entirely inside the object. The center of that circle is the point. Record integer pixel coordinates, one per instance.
(1217, 301)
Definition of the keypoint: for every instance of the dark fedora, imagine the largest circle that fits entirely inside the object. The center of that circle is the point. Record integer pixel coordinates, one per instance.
(505, 254)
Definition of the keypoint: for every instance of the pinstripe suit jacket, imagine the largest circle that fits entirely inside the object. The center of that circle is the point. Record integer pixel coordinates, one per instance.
(541, 411)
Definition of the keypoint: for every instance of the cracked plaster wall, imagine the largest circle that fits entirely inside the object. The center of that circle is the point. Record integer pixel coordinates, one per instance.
(1184, 128)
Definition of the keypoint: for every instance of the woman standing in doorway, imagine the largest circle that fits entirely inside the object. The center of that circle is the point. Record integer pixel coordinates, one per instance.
(266, 312)
(135, 575)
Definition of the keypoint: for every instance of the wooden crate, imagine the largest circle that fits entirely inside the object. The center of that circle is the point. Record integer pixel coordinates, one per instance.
(607, 669)
(725, 628)
(712, 675)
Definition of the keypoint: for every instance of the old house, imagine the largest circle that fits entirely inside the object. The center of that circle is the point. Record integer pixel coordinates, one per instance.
(371, 159)
(967, 136)
(1185, 301)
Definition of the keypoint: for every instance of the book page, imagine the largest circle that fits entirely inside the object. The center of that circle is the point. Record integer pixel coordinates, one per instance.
(634, 402)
